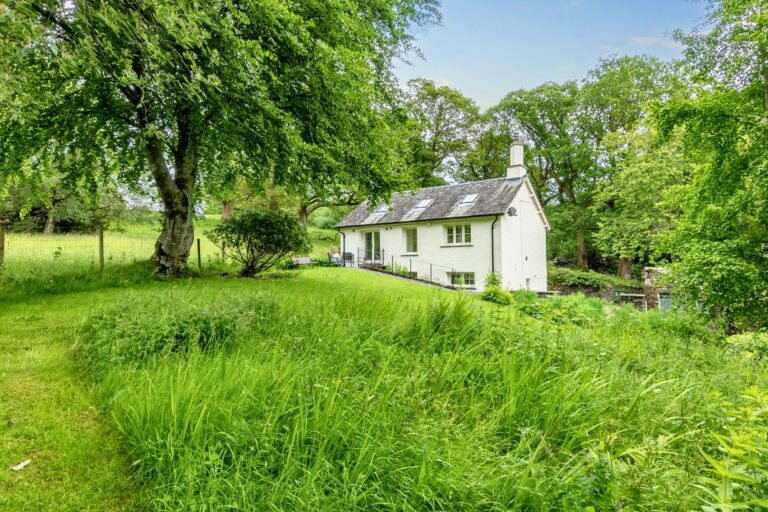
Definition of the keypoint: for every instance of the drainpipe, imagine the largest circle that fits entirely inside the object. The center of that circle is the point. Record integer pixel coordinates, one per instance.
(343, 245)
(493, 255)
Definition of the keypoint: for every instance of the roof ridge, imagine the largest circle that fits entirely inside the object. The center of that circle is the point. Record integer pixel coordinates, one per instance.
(503, 178)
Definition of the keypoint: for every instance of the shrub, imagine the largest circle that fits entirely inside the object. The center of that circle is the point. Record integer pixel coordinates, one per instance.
(560, 277)
(749, 344)
(739, 478)
(494, 293)
(258, 239)
(570, 309)
(493, 279)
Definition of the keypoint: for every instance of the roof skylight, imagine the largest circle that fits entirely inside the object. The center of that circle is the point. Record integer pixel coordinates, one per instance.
(469, 198)
(423, 203)
(382, 209)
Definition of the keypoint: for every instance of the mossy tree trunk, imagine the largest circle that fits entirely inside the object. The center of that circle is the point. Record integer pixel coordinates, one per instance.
(625, 268)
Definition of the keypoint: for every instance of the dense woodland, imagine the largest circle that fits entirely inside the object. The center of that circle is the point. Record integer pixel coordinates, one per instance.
(639, 163)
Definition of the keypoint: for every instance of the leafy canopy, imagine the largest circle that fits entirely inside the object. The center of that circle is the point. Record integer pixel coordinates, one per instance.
(299, 91)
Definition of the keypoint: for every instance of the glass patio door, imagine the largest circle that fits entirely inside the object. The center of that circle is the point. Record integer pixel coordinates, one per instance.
(372, 246)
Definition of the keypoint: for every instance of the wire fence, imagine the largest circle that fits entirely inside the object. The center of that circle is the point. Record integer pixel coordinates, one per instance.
(24, 253)
(411, 268)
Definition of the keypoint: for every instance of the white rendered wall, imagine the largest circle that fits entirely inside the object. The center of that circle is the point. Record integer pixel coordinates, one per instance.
(433, 248)
(524, 246)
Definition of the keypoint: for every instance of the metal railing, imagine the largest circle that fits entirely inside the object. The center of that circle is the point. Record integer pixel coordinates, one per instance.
(404, 266)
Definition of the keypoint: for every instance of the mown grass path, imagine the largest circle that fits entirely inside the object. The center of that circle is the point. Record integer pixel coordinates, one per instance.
(46, 415)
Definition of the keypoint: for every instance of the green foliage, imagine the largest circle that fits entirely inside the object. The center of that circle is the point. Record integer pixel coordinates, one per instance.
(327, 217)
(258, 239)
(400, 270)
(494, 293)
(569, 125)
(319, 403)
(720, 238)
(569, 277)
(300, 92)
(739, 471)
(636, 209)
(568, 309)
(493, 279)
(441, 120)
(750, 345)
(136, 331)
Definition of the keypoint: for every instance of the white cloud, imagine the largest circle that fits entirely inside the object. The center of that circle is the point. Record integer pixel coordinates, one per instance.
(655, 41)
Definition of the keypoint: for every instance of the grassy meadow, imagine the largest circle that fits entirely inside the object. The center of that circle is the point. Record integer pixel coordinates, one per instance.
(61, 263)
(337, 389)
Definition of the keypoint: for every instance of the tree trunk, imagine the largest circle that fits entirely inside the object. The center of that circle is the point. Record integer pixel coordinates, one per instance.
(177, 192)
(50, 223)
(303, 214)
(228, 210)
(625, 268)
(175, 242)
(581, 259)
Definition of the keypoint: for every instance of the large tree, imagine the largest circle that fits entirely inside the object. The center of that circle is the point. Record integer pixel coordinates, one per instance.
(441, 120)
(567, 125)
(722, 237)
(638, 207)
(300, 89)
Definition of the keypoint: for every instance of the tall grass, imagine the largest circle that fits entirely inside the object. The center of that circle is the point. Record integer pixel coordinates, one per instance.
(358, 401)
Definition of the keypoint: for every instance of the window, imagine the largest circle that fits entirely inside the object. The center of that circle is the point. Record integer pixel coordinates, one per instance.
(469, 198)
(411, 244)
(382, 209)
(423, 203)
(459, 234)
(462, 278)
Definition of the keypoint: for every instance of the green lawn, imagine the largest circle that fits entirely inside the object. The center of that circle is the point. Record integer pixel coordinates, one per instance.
(48, 414)
(337, 389)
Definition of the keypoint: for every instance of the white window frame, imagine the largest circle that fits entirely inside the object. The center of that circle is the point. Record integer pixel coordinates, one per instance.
(465, 277)
(458, 234)
(415, 248)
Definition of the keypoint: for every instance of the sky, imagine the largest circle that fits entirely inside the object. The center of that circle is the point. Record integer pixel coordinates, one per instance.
(487, 48)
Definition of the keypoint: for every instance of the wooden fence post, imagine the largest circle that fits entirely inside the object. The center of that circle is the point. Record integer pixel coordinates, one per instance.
(199, 260)
(101, 248)
(2, 243)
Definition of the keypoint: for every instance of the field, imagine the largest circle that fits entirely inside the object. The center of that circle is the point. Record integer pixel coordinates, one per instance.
(337, 389)
(123, 244)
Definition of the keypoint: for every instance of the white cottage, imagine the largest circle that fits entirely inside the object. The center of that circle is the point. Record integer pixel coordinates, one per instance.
(457, 234)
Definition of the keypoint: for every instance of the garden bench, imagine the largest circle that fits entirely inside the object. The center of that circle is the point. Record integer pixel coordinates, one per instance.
(304, 260)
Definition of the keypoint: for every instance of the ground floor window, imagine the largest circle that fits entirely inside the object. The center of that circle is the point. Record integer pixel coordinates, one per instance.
(462, 278)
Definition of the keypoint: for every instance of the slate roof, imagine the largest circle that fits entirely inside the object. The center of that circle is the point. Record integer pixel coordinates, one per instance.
(445, 202)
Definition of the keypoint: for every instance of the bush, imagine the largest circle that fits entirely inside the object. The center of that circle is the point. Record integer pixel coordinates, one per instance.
(566, 310)
(568, 277)
(258, 239)
(749, 344)
(739, 478)
(494, 293)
